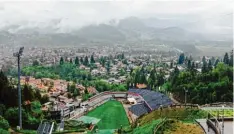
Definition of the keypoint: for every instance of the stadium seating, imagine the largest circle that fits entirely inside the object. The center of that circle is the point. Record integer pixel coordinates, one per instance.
(139, 109)
(152, 98)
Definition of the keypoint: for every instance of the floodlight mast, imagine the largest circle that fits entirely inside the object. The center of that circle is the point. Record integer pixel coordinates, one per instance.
(18, 54)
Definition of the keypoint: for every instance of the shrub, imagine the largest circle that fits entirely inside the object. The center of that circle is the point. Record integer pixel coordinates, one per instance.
(4, 123)
(2, 109)
(2, 131)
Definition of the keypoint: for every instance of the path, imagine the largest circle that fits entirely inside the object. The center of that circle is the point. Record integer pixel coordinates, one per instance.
(172, 98)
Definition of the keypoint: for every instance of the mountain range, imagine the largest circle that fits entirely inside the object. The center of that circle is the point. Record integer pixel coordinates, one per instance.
(131, 29)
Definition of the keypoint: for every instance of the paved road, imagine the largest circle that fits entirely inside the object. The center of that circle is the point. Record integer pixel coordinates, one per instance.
(228, 127)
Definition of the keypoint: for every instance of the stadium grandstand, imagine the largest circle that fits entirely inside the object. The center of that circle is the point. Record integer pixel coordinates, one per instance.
(152, 100)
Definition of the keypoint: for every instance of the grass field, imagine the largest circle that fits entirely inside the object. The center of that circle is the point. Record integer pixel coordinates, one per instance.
(111, 114)
(179, 127)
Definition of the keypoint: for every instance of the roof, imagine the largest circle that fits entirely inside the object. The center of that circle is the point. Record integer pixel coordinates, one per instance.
(92, 90)
(132, 100)
(141, 86)
(80, 87)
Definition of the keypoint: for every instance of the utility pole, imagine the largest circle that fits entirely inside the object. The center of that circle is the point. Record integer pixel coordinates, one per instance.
(185, 98)
(18, 55)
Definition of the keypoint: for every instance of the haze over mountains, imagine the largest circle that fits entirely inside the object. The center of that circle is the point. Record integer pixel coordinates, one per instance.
(130, 29)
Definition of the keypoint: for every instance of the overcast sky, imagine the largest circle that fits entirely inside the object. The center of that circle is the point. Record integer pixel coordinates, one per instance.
(79, 13)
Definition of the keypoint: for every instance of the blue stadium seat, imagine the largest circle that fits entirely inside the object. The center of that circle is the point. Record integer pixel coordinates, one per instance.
(139, 109)
(153, 99)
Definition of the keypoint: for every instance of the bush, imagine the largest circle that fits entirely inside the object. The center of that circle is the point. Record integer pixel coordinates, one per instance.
(12, 116)
(4, 123)
(2, 131)
(73, 124)
(2, 109)
(27, 131)
(44, 99)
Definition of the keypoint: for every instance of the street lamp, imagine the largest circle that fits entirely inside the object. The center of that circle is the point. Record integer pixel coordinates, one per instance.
(18, 55)
(161, 110)
(185, 98)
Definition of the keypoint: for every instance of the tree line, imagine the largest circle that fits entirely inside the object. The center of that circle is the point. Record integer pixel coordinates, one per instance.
(213, 84)
(31, 103)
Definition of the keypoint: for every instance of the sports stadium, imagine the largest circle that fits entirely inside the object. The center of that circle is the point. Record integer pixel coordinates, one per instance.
(141, 111)
(109, 111)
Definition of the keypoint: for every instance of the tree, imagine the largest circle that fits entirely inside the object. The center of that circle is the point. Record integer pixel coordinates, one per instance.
(8, 94)
(176, 71)
(125, 61)
(152, 78)
(122, 56)
(92, 59)
(35, 63)
(86, 91)
(216, 62)
(27, 93)
(44, 99)
(11, 116)
(193, 66)
(81, 60)
(72, 87)
(68, 87)
(76, 92)
(71, 61)
(69, 95)
(61, 61)
(108, 66)
(196, 65)
(38, 95)
(86, 61)
(203, 59)
(181, 58)
(102, 61)
(89, 77)
(189, 64)
(208, 87)
(171, 64)
(226, 59)
(210, 67)
(3, 85)
(212, 60)
(231, 59)
(51, 85)
(204, 67)
(186, 60)
(2, 109)
(77, 61)
(36, 108)
(160, 79)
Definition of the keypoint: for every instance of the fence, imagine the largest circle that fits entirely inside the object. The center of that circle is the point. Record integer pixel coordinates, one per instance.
(213, 123)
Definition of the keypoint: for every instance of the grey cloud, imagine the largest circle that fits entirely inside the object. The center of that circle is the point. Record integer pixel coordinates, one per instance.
(74, 14)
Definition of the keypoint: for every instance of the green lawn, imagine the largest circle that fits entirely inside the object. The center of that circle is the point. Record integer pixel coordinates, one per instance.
(111, 114)
(147, 128)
